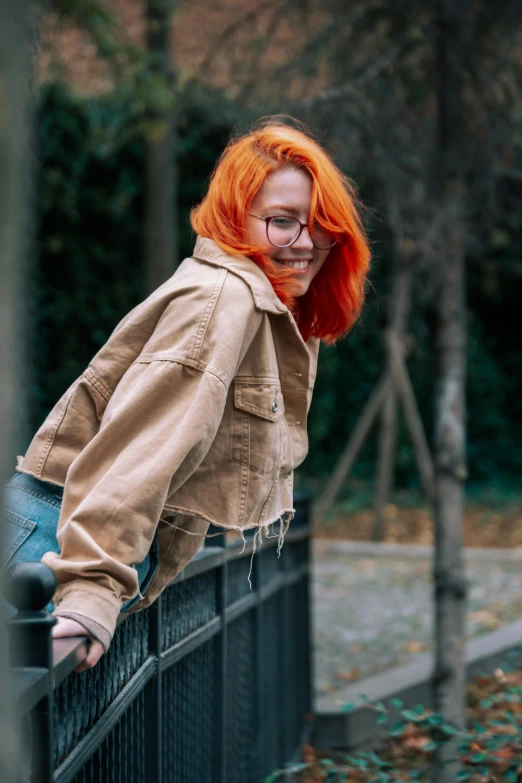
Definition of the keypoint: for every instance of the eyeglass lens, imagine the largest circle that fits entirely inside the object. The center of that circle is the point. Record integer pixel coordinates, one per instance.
(283, 231)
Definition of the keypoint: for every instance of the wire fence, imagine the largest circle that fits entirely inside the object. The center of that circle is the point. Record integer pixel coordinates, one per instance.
(211, 684)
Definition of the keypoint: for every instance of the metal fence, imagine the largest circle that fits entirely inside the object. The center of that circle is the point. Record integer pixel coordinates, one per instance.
(211, 684)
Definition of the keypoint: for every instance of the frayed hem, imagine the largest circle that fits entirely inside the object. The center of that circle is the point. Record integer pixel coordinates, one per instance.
(284, 523)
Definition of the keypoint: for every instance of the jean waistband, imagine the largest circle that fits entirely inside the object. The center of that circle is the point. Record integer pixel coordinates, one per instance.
(25, 479)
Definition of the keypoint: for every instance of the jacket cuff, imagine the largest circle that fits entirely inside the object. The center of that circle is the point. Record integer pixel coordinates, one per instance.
(94, 629)
(92, 602)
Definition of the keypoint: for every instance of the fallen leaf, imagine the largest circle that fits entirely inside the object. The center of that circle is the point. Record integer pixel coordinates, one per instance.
(349, 676)
(409, 730)
(485, 618)
(417, 743)
(414, 646)
(505, 754)
(308, 754)
(508, 729)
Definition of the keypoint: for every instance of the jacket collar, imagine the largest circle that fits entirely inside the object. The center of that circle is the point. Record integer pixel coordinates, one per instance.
(265, 297)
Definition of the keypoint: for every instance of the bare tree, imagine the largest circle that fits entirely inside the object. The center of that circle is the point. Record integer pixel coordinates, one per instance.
(450, 429)
(160, 185)
(410, 66)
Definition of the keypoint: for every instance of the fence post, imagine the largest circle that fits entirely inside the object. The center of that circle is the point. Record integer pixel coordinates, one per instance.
(29, 587)
(220, 663)
(153, 696)
(304, 505)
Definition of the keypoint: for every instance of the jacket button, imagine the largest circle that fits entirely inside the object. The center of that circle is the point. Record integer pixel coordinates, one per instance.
(275, 407)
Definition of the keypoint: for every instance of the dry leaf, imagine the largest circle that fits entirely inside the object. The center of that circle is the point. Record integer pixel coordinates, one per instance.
(505, 754)
(508, 729)
(349, 676)
(414, 646)
(485, 618)
(308, 754)
(417, 743)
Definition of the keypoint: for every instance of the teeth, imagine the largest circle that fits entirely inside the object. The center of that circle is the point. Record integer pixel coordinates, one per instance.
(295, 264)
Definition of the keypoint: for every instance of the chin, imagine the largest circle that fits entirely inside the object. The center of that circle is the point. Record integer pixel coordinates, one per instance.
(299, 290)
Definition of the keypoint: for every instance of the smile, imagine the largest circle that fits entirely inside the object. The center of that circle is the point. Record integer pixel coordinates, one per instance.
(300, 266)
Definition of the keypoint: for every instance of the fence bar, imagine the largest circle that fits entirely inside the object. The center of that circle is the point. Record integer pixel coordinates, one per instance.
(153, 720)
(85, 749)
(29, 587)
(285, 641)
(220, 678)
(108, 746)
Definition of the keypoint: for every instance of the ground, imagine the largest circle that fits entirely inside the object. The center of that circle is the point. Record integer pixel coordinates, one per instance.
(486, 524)
(373, 608)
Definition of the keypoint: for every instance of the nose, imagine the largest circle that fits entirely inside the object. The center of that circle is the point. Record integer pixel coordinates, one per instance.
(304, 241)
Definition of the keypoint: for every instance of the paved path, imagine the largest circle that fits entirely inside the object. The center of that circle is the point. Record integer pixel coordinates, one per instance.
(373, 604)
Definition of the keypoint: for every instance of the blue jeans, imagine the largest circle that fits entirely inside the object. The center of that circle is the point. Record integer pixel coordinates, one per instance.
(31, 513)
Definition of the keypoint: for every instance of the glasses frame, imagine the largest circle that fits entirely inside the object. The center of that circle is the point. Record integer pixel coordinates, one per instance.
(267, 221)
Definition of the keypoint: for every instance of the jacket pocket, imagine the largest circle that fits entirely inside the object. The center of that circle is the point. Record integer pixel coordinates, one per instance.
(257, 425)
(17, 531)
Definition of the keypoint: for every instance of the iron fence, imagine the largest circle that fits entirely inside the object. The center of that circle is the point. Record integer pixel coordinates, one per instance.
(211, 684)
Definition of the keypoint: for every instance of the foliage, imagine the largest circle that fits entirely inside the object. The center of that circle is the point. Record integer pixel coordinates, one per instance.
(349, 370)
(490, 748)
(88, 271)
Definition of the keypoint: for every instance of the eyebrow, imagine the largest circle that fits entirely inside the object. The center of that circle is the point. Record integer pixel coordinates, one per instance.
(282, 206)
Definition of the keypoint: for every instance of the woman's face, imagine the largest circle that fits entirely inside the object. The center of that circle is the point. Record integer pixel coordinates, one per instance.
(287, 192)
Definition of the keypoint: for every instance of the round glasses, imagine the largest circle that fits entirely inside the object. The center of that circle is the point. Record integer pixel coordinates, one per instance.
(283, 231)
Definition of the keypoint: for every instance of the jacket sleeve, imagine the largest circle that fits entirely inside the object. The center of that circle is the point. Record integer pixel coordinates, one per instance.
(157, 428)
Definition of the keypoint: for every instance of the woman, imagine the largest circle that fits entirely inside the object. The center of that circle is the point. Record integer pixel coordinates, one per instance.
(194, 411)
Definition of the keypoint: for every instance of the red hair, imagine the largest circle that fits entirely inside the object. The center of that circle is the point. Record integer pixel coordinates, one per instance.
(332, 303)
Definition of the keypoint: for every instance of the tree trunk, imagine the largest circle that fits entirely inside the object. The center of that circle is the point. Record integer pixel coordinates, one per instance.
(352, 448)
(404, 388)
(15, 154)
(160, 169)
(385, 463)
(400, 309)
(449, 442)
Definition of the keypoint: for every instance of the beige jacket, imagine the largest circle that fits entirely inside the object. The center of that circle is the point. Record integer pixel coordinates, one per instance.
(197, 406)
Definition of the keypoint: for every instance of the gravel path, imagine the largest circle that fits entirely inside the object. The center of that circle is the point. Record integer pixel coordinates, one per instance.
(373, 605)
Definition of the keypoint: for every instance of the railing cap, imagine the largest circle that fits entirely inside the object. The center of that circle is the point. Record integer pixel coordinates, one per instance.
(29, 586)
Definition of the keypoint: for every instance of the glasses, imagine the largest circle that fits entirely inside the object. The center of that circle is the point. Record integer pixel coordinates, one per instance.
(283, 231)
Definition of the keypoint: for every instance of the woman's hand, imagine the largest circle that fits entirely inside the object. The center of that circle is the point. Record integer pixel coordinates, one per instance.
(67, 627)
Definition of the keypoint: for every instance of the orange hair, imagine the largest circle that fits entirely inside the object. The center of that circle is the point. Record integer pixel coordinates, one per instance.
(332, 303)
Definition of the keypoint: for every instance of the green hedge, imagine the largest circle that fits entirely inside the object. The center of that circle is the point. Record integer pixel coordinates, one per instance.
(89, 272)
(89, 266)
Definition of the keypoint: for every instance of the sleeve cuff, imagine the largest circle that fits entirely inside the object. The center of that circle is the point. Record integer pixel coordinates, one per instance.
(93, 603)
(93, 628)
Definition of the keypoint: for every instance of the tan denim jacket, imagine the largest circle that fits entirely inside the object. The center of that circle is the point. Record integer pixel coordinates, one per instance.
(196, 405)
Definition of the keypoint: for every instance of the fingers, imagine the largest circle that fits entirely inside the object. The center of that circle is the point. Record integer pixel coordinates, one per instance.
(96, 650)
(67, 627)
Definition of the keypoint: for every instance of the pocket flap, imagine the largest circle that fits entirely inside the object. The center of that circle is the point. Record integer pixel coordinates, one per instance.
(261, 399)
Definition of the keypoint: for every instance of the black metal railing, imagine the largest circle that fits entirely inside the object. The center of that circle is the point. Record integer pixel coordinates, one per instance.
(211, 684)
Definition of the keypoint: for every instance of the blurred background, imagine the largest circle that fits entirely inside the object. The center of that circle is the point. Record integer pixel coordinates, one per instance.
(129, 92)
(419, 103)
